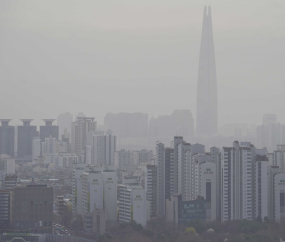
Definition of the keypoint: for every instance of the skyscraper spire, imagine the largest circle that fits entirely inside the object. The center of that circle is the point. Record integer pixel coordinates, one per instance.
(207, 105)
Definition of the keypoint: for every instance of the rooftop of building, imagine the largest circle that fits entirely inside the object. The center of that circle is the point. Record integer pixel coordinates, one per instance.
(261, 158)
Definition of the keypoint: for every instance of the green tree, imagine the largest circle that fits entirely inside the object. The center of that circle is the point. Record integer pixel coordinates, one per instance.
(190, 230)
(258, 219)
(266, 219)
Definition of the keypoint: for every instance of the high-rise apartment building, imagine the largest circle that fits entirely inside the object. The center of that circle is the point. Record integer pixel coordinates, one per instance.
(272, 172)
(49, 146)
(169, 186)
(177, 140)
(186, 172)
(48, 130)
(160, 160)
(101, 148)
(78, 170)
(184, 167)
(7, 137)
(279, 158)
(239, 181)
(215, 154)
(151, 188)
(207, 105)
(197, 177)
(279, 197)
(165, 176)
(99, 190)
(260, 192)
(80, 128)
(133, 203)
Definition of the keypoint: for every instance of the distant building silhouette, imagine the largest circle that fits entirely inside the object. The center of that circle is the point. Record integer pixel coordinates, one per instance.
(48, 130)
(6, 138)
(180, 122)
(207, 107)
(26, 133)
(64, 121)
(125, 125)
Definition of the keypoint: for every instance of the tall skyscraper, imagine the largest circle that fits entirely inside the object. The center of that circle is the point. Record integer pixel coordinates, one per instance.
(26, 133)
(6, 138)
(207, 106)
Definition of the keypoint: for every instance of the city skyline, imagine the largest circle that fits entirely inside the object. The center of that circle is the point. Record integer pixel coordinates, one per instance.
(135, 121)
(67, 53)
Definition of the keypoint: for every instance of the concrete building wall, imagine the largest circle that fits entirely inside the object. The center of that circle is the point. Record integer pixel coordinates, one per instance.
(78, 170)
(110, 194)
(140, 206)
(208, 189)
(279, 197)
(160, 156)
(261, 189)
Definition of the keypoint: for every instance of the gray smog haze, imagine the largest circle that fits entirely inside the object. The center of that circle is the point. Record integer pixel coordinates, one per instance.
(126, 56)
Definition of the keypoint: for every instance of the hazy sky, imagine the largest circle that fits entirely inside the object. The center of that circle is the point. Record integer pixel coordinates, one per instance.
(126, 56)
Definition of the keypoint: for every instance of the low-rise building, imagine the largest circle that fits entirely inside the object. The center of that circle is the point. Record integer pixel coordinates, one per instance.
(10, 181)
(178, 211)
(32, 208)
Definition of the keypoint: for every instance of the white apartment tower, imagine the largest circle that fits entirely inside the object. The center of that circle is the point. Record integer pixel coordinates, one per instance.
(241, 169)
(79, 131)
(165, 176)
(78, 170)
(185, 168)
(133, 203)
(95, 187)
(99, 189)
(100, 148)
